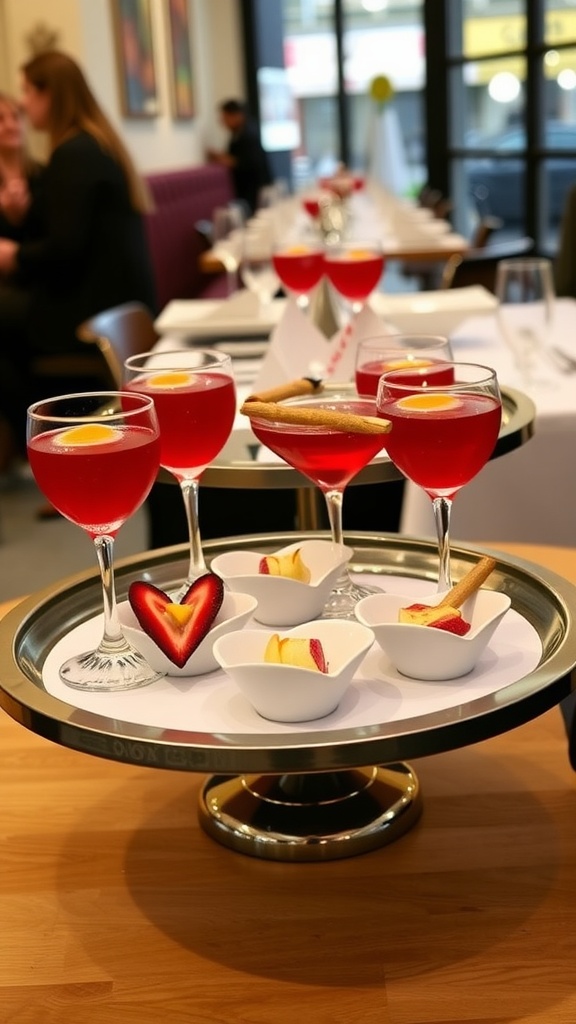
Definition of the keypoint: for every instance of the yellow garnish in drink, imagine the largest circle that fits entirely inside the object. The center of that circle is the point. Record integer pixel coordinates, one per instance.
(428, 403)
(296, 250)
(181, 613)
(89, 433)
(358, 254)
(171, 379)
(406, 364)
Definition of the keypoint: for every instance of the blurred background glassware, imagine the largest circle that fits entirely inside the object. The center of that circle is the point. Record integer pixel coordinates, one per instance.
(256, 265)
(227, 226)
(416, 354)
(299, 263)
(354, 269)
(525, 292)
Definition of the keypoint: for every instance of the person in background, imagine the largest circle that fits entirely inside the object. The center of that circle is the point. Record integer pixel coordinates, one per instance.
(244, 156)
(88, 251)
(20, 176)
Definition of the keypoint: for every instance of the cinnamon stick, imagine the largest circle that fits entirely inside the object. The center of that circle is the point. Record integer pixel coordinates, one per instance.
(347, 422)
(292, 389)
(469, 583)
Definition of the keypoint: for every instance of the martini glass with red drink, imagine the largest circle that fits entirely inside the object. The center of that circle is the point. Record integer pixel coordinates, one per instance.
(420, 356)
(442, 436)
(331, 458)
(195, 399)
(300, 266)
(354, 269)
(95, 456)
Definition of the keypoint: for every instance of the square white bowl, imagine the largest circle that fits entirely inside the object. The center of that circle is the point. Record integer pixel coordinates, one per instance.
(288, 693)
(234, 613)
(424, 652)
(283, 601)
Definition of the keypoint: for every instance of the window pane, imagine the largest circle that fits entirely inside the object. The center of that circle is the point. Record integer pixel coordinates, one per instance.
(560, 21)
(311, 62)
(489, 100)
(387, 39)
(491, 26)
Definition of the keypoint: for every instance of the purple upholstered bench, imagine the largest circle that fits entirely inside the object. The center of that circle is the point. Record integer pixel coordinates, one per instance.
(181, 199)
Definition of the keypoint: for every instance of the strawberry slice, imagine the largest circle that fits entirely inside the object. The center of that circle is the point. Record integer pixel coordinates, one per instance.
(177, 629)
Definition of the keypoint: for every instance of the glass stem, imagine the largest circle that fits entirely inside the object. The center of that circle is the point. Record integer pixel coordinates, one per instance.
(113, 639)
(303, 302)
(442, 508)
(334, 501)
(197, 566)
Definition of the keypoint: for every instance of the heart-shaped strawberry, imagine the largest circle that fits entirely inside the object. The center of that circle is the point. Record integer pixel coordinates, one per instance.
(177, 629)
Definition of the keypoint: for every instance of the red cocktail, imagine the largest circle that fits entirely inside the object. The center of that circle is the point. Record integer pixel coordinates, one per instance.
(195, 398)
(300, 268)
(330, 458)
(77, 476)
(354, 270)
(95, 456)
(441, 437)
(420, 357)
(409, 372)
(195, 411)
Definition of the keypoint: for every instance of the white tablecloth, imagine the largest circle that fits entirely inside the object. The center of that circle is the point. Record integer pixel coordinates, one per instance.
(528, 495)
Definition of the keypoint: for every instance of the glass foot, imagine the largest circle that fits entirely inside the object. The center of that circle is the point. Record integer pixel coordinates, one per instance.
(105, 671)
(313, 817)
(345, 597)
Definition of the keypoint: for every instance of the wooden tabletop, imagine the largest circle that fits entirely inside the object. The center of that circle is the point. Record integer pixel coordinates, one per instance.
(117, 908)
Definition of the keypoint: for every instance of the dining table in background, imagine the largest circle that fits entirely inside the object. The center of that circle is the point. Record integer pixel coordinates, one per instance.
(117, 906)
(530, 495)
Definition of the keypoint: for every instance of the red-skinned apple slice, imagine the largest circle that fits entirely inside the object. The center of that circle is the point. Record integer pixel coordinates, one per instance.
(297, 651)
(290, 565)
(177, 629)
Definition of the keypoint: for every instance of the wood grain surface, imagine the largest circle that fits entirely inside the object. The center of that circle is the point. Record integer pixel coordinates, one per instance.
(115, 907)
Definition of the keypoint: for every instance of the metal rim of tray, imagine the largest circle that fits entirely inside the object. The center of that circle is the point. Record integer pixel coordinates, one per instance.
(28, 632)
(518, 415)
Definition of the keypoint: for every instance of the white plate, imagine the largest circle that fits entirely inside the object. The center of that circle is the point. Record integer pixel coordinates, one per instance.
(434, 312)
(239, 316)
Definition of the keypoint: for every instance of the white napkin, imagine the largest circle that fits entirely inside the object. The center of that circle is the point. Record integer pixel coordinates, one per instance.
(299, 349)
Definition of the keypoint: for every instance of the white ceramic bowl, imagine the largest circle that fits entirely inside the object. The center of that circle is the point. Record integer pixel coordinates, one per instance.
(234, 613)
(283, 601)
(287, 693)
(423, 652)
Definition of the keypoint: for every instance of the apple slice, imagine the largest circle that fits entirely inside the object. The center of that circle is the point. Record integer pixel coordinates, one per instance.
(177, 629)
(290, 565)
(303, 653)
(438, 616)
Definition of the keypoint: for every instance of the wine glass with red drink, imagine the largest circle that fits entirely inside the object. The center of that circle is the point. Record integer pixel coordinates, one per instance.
(195, 399)
(420, 356)
(354, 269)
(331, 458)
(299, 265)
(95, 456)
(442, 436)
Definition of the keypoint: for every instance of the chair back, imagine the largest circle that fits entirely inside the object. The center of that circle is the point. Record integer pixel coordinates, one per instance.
(120, 332)
(478, 266)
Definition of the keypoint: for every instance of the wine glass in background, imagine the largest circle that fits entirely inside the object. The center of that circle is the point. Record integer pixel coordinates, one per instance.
(195, 399)
(525, 292)
(256, 265)
(95, 456)
(331, 459)
(354, 269)
(442, 436)
(227, 227)
(300, 267)
(420, 356)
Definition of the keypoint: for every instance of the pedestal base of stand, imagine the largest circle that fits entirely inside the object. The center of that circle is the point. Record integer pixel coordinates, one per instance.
(316, 816)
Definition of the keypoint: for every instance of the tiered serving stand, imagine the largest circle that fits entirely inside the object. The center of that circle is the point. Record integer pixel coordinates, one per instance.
(304, 794)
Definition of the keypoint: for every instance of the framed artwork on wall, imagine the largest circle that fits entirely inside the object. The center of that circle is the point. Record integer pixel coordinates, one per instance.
(180, 65)
(135, 55)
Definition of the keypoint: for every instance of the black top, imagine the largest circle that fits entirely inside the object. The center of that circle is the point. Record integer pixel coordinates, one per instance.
(90, 252)
(26, 228)
(251, 171)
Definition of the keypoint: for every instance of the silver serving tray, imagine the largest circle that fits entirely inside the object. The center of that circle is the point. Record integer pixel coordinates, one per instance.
(28, 633)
